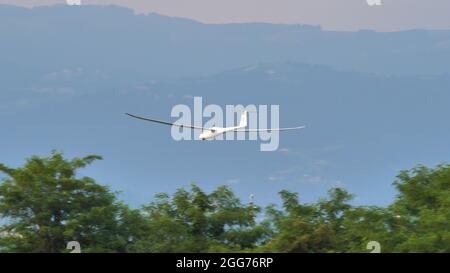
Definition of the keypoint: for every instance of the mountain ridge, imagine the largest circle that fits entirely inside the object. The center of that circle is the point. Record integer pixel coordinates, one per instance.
(115, 40)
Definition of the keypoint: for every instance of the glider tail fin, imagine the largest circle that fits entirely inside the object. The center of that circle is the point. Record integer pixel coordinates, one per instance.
(243, 122)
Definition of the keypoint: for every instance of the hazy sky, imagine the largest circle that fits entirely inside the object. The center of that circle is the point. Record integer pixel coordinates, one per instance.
(330, 14)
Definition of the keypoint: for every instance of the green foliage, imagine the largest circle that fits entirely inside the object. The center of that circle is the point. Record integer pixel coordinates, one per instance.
(193, 221)
(423, 205)
(307, 228)
(46, 205)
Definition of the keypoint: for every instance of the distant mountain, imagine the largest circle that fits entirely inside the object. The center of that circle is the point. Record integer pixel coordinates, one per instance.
(119, 44)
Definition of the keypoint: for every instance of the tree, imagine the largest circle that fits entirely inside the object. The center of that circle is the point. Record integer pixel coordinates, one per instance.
(422, 209)
(46, 206)
(360, 225)
(300, 228)
(194, 221)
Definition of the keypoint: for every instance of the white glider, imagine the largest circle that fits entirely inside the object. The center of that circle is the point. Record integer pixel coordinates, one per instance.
(209, 133)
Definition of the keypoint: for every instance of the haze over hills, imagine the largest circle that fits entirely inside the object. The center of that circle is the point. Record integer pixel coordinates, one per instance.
(69, 74)
(392, 15)
(116, 42)
(361, 130)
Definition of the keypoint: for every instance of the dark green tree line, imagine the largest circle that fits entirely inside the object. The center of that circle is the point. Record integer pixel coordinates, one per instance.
(45, 204)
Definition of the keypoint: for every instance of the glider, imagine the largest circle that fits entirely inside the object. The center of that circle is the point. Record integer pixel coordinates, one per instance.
(210, 133)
